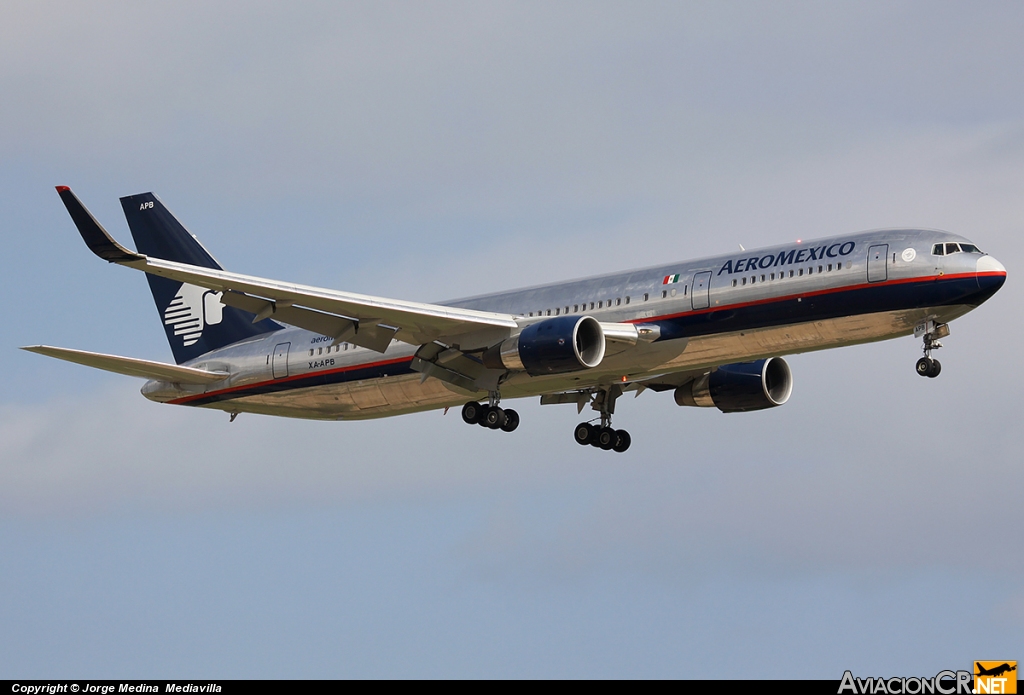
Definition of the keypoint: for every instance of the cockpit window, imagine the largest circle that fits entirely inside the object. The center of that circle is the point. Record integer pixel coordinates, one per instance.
(949, 248)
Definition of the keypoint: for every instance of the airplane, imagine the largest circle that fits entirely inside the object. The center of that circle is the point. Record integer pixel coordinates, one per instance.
(712, 331)
(995, 671)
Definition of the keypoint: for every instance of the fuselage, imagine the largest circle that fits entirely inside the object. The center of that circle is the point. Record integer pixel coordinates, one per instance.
(747, 305)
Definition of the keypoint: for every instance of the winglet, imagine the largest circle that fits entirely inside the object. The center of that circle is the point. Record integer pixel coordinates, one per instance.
(94, 235)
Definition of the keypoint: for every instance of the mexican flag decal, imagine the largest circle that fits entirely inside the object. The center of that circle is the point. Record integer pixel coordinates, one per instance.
(670, 279)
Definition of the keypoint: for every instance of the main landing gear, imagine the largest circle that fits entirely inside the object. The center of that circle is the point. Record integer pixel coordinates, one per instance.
(603, 436)
(490, 416)
(930, 332)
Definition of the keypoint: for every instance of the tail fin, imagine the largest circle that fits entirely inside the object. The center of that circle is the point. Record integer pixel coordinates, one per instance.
(195, 319)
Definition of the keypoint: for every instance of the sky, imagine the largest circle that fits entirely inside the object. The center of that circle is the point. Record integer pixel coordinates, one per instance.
(425, 151)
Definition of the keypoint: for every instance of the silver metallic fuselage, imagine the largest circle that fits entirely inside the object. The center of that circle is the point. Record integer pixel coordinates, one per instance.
(708, 313)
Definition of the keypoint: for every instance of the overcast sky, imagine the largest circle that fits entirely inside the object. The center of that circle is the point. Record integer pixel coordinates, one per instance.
(432, 150)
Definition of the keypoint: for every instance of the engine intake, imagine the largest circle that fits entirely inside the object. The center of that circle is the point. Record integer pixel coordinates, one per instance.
(555, 346)
(740, 387)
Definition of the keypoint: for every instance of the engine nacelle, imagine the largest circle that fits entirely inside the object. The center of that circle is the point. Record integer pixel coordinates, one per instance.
(741, 387)
(555, 346)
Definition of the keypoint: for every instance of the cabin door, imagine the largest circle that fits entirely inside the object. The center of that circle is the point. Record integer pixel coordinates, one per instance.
(699, 292)
(281, 360)
(877, 257)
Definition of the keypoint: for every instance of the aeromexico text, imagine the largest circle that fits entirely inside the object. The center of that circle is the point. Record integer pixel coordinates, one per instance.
(790, 257)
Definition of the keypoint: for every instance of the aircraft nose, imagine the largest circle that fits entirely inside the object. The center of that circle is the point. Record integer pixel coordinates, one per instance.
(991, 274)
(987, 264)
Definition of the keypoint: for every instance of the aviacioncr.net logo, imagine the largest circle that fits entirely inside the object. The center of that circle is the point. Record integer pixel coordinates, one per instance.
(192, 309)
(943, 683)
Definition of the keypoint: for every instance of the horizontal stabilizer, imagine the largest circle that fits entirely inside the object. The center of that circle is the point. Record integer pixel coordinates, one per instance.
(131, 366)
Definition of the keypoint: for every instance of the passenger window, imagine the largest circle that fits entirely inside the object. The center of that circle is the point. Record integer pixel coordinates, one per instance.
(801, 272)
(557, 310)
(591, 305)
(819, 268)
(791, 273)
(311, 352)
(549, 312)
(830, 267)
(627, 300)
(645, 296)
(744, 281)
(772, 276)
(734, 282)
(600, 304)
(618, 301)
(753, 279)
(762, 278)
(664, 293)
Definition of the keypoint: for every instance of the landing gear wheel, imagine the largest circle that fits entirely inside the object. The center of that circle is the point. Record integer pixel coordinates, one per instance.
(494, 417)
(511, 421)
(584, 433)
(935, 369)
(622, 441)
(606, 438)
(924, 366)
(472, 412)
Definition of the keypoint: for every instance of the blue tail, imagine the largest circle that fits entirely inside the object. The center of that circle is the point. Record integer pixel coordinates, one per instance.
(195, 319)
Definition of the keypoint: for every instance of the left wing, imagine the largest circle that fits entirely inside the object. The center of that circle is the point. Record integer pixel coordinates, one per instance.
(357, 318)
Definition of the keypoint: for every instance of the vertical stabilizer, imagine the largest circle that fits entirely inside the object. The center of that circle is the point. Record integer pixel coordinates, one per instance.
(195, 319)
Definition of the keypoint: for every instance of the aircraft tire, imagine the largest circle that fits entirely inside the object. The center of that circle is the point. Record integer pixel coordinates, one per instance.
(511, 421)
(606, 438)
(935, 369)
(924, 366)
(622, 441)
(584, 433)
(472, 412)
(494, 417)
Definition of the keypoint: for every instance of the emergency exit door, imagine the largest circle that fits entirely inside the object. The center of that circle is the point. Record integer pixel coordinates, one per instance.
(281, 360)
(878, 255)
(700, 297)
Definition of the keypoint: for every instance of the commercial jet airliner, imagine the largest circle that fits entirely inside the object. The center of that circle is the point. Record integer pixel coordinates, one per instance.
(712, 331)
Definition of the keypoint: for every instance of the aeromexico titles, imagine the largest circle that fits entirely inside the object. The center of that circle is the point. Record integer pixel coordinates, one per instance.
(712, 331)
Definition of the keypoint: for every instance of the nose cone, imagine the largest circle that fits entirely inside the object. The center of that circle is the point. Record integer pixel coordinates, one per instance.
(991, 275)
(987, 264)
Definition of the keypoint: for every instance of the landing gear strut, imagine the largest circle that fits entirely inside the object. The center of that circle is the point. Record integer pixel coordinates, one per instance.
(930, 332)
(603, 436)
(491, 415)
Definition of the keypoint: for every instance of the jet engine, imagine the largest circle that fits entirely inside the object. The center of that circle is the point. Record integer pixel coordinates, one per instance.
(741, 387)
(555, 346)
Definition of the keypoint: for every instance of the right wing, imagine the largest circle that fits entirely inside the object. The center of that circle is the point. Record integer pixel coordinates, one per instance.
(131, 366)
(357, 318)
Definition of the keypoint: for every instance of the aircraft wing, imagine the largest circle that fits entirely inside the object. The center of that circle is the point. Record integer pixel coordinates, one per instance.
(344, 315)
(131, 366)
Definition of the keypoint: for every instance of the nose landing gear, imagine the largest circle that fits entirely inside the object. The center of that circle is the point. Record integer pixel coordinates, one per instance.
(930, 332)
(490, 416)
